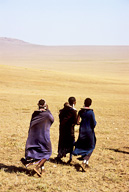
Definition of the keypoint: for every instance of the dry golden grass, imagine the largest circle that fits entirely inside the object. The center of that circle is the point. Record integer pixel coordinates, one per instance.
(106, 84)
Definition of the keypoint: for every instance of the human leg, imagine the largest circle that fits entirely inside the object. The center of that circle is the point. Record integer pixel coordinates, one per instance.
(40, 166)
(86, 158)
(70, 157)
(28, 162)
(85, 162)
(71, 151)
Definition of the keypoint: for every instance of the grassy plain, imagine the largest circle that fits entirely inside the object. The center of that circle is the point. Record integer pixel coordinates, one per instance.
(106, 81)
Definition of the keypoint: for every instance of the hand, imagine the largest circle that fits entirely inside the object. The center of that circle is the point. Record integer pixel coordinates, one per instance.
(46, 106)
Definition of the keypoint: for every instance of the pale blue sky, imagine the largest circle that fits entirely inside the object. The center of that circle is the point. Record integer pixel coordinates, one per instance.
(66, 22)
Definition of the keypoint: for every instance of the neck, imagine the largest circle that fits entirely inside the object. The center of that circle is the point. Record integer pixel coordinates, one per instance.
(86, 107)
(42, 109)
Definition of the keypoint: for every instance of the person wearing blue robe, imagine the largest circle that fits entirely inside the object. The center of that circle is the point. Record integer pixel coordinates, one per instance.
(86, 140)
(38, 145)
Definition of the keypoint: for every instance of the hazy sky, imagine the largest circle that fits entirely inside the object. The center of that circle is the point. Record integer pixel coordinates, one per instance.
(66, 22)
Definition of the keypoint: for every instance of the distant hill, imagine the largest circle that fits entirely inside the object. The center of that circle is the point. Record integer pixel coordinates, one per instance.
(19, 53)
(19, 47)
(5, 40)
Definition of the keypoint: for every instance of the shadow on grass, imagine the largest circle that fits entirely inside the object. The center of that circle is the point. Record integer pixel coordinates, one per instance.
(119, 151)
(58, 161)
(76, 165)
(14, 169)
(80, 158)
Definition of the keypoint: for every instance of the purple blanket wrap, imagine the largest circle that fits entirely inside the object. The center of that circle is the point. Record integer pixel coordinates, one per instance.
(38, 144)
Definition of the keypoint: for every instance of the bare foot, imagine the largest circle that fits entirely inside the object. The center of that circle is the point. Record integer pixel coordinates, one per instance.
(83, 166)
(36, 169)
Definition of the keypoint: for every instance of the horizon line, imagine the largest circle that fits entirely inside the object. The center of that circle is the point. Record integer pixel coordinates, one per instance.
(62, 45)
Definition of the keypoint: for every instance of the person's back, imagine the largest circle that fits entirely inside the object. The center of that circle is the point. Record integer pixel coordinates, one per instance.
(67, 118)
(39, 132)
(38, 145)
(86, 140)
(87, 119)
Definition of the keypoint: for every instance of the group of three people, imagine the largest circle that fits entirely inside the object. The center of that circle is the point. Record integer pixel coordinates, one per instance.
(38, 145)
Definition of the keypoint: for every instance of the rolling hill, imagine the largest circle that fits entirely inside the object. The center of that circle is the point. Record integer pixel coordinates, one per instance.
(77, 59)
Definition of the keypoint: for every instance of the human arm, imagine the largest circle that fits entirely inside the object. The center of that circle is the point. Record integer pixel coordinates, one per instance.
(78, 119)
(93, 122)
(51, 116)
(75, 117)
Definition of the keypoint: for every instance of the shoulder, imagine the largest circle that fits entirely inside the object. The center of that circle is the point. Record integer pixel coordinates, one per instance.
(81, 111)
(35, 113)
(65, 109)
(61, 110)
(91, 112)
(47, 112)
(72, 111)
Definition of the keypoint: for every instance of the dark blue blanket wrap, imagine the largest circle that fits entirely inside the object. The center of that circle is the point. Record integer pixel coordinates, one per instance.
(86, 140)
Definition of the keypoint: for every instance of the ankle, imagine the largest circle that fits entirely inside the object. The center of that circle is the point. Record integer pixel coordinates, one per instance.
(37, 166)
